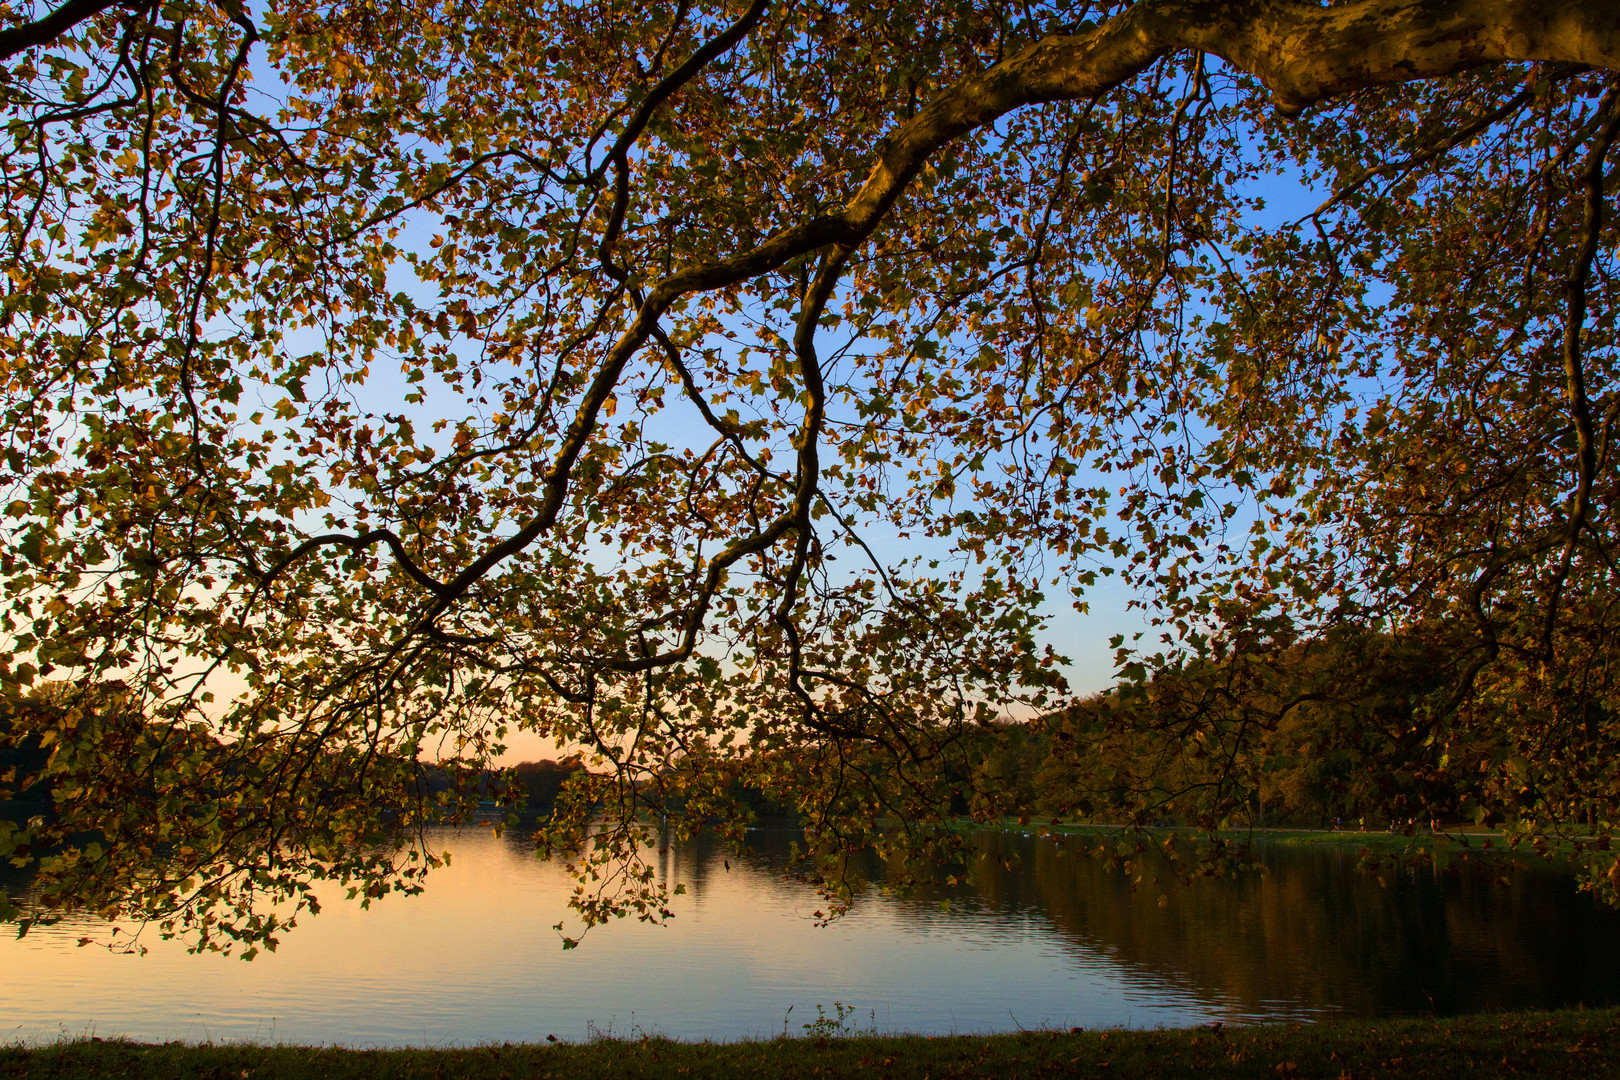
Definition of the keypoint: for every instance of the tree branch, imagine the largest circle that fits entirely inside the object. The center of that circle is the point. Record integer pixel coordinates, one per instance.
(1303, 53)
(44, 31)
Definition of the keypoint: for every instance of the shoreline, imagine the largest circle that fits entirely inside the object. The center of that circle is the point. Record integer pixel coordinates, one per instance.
(1455, 841)
(1576, 1044)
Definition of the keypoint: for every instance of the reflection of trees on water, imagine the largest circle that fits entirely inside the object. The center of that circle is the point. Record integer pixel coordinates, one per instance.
(1316, 931)
(1313, 934)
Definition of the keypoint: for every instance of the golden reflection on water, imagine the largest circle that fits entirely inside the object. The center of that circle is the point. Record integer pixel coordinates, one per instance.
(1054, 941)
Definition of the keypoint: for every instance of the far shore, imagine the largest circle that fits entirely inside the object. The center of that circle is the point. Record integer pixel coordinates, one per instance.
(1461, 836)
(1452, 843)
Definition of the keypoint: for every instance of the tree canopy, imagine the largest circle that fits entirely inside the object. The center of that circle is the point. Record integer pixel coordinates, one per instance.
(726, 387)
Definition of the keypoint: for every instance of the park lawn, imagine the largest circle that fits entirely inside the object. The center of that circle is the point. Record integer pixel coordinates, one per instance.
(1582, 1044)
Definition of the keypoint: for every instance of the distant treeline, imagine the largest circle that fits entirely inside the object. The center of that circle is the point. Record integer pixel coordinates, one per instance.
(29, 729)
(1353, 726)
(22, 760)
(540, 782)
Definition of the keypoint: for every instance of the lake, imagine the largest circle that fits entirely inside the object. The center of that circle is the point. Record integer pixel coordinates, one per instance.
(1055, 941)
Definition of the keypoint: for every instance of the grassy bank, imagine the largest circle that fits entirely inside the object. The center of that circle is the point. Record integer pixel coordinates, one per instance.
(1580, 1045)
(1450, 845)
(1455, 840)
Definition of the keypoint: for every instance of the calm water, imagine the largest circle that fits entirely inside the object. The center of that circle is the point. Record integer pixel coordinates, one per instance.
(1055, 941)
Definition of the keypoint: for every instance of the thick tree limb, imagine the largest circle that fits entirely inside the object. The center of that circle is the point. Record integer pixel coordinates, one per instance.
(1307, 54)
(14, 40)
(1580, 503)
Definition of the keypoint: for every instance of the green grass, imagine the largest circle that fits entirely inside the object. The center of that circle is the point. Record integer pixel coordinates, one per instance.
(1446, 847)
(1581, 1045)
(1385, 843)
(1470, 840)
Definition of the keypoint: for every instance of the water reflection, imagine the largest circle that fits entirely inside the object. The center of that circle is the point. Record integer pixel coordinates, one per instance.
(1053, 940)
(1315, 935)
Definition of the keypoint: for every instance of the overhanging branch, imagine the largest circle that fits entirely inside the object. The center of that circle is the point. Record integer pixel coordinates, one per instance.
(1303, 53)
